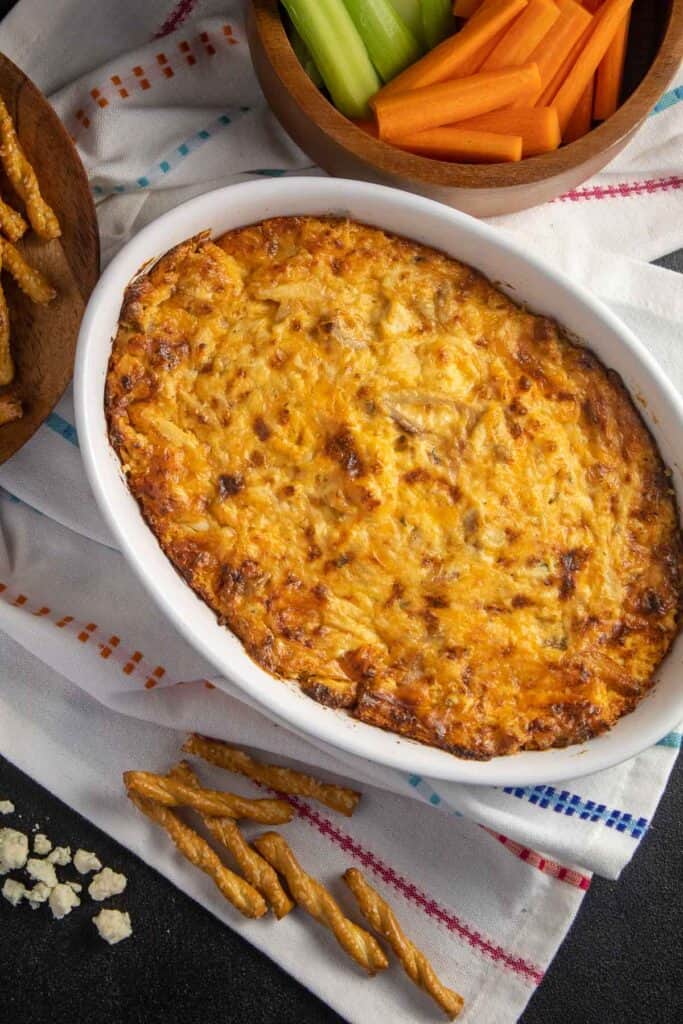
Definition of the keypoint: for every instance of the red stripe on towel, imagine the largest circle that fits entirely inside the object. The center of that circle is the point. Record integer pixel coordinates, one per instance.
(548, 867)
(176, 17)
(623, 190)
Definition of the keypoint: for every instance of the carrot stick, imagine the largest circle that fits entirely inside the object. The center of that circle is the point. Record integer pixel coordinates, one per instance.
(463, 145)
(581, 121)
(466, 8)
(475, 62)
(447, 102)
(611, 73)
(605, 26)
(550, 54)
(446, 59)
(538, 127)
(523, 36)
(553, 87)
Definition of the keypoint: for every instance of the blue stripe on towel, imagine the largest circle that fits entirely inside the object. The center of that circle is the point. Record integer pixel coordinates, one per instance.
(62, 427)
(171, 160)
(429, 795)
(672, 739)
(572, 805)
(669, 99)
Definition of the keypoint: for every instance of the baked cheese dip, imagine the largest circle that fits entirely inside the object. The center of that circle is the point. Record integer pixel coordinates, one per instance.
(397, 487)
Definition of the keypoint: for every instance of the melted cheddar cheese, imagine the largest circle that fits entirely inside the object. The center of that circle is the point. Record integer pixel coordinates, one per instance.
(395, 485)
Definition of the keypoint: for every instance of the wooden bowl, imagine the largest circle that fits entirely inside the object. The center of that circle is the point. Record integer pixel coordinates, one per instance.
(342, 149)
(43, 338)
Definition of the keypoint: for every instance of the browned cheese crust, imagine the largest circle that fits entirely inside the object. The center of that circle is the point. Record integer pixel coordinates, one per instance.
(396, 486)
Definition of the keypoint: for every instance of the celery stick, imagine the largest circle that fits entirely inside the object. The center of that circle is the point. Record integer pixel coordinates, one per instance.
(391, 45)
(338, 51)
(304, 57)
(410, 13)
(311, 69)
(437, 20)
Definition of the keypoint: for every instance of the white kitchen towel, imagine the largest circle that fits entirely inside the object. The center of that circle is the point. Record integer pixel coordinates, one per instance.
(163, 103)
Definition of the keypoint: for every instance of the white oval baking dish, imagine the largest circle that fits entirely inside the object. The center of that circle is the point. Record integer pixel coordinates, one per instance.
(525, 279)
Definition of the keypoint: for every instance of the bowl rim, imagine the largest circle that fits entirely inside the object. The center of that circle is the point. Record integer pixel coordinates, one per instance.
(279, 700)
(392, 161)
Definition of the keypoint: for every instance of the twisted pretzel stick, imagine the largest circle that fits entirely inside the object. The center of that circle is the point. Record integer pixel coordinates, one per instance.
(320, 904)
(6, 361)
(198, 852)
(30, 280)
(23, 179)
(284, 780)
(174, 793)
(11, 222)
(416, 965)
(255, 869)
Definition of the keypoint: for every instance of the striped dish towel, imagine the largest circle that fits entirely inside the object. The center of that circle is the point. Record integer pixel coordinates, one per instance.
(162, 102)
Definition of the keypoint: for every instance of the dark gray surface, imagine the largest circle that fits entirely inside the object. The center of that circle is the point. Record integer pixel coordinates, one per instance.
(674, 261)
(620, 963)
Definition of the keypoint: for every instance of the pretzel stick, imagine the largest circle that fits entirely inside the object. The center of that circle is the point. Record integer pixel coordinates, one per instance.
(23, 179)
(30, 280)
(6, 361)
(10, 409)
(11, 222)
(198, 852)
(174, 793)
(255, 869)
(284, 780)
(320, 904)
(381, 917)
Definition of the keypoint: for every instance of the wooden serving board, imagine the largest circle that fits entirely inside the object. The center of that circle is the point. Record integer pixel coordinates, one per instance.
(43, 338)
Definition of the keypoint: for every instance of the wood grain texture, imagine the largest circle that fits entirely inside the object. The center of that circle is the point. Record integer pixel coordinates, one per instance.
(44, 337)
(342, 149)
